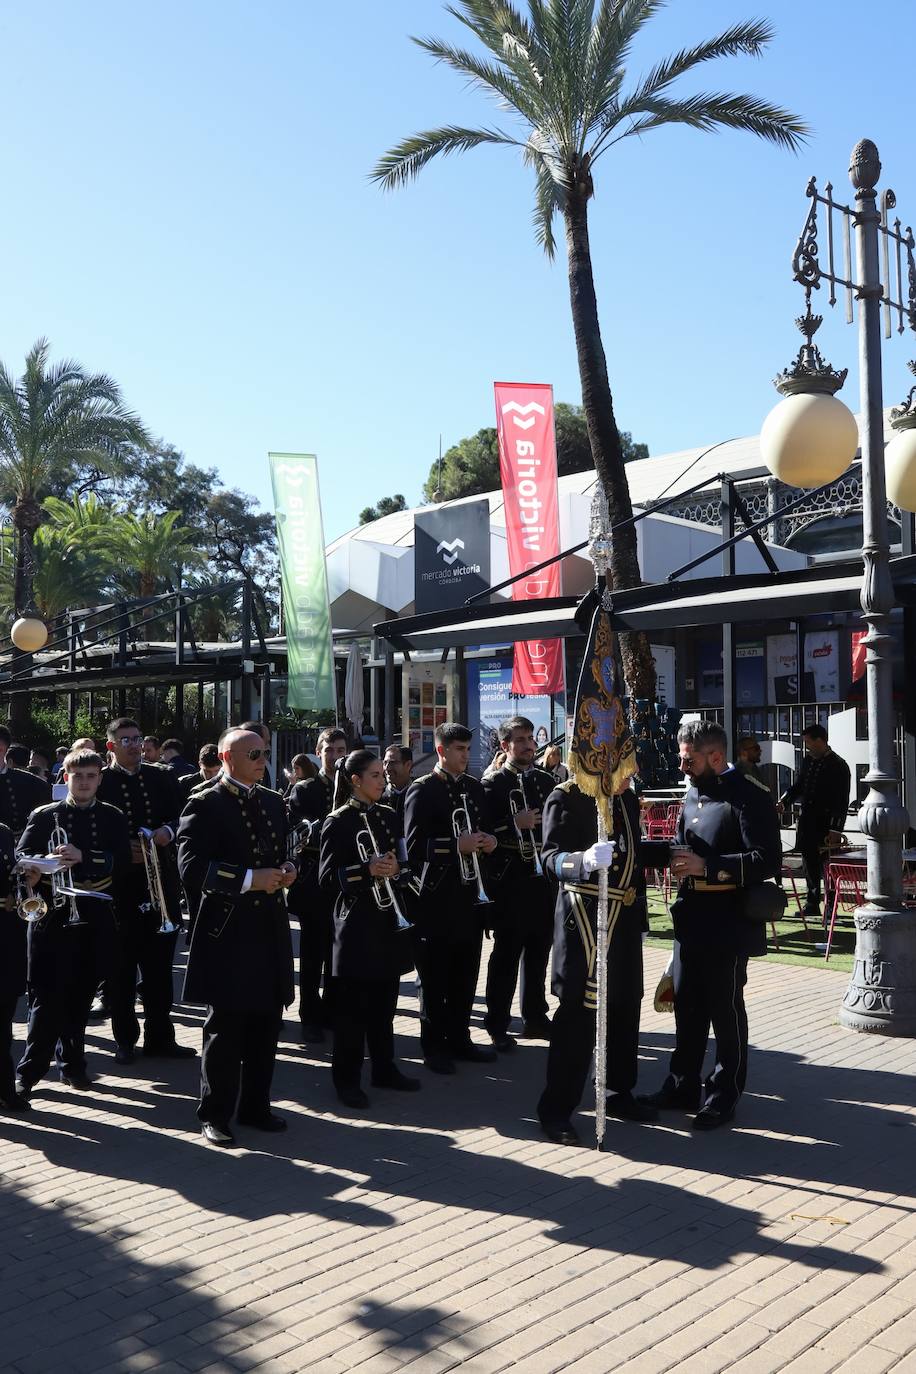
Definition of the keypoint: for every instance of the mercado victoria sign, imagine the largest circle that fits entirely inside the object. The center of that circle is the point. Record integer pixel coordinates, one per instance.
(451, 555)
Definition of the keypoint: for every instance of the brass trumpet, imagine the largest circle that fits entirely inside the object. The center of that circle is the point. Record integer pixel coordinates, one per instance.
(382, 889)
(527, 842)
(157, 901)
(468, 864)
(30, 906)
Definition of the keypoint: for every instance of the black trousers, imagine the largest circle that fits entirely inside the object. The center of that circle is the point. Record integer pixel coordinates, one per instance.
(522, 935)
(448, 979)
(58, 1013)
(809, 842)
(572, 1038)
(363, 1015)
(8, 1004)
(139, 945)
(316, 947)
(710, 992)
(237, 1063)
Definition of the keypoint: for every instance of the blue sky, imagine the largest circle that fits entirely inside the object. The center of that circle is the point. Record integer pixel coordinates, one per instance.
(187, 207)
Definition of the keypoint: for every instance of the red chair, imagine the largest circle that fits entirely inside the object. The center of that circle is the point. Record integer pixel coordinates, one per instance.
(846, 881)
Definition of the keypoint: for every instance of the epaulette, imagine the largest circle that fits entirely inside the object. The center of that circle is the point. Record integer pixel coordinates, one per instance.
(340, 810)
(47, 806)
(567, 786)
(757, 783)
(383, 806)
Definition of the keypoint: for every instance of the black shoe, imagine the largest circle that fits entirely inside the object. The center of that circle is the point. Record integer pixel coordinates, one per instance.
(23, 1091)
(536, 1030)
(440, 1063)
(81, 1081)
(560, 1132)
(474, 1054)
(502, 1041)
(811, 909)
(99, 1011)
(214, 1133)
(397, 1081)
(172, 1051)
(312, 1033)
(628, 1108)
(19, 1102)
(352, 1097)
(668, 1099)
(711, 1118)
(270, 1122)
(124, 1054)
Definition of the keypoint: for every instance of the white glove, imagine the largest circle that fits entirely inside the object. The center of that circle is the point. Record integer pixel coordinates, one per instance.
(599, 856)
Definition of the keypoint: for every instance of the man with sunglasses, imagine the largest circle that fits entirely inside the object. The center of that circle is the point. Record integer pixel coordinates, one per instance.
(148, 795)
(232, 852)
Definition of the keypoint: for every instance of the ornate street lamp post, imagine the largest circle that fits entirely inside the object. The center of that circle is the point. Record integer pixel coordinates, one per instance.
(881, 996)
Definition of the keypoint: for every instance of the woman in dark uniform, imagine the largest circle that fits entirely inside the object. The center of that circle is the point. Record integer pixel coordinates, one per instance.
(359, 862)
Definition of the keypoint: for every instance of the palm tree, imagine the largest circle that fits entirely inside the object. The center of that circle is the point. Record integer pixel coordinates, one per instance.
(561, 71)
(54, 418)
(146, 551)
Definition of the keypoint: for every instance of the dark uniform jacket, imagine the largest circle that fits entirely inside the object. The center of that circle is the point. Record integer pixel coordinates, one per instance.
(506, 863)
(570, 829)
(307, 805)
(100, 832)
(20, 793)
(447, 907)
(367, 941)
(12, 927)
(149, 799)
(189, 782)
(731, 822)
(822, 787)
(396, 799)
(241, 955)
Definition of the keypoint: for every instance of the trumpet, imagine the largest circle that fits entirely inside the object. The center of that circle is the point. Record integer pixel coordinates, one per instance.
(30, 906)
(468, 864)
(527, 842)
(382, 890)
(157, 901)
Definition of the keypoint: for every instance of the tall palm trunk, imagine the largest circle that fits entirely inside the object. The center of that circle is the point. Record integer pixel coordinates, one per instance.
(26, 517)
(604, 437)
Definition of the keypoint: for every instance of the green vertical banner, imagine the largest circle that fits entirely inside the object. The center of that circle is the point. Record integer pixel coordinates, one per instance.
(306, 610)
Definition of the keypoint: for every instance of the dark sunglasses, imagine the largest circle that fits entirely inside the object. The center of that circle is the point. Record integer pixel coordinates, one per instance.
(255, 754)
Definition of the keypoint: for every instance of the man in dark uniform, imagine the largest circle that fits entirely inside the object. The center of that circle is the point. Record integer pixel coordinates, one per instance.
(523, 927)
(727, 840)
(398, 763)
(449, 918)
(67, 957)
(12, 970)
(208, 769)
(573, 854)
(20, 791)
(307, 806)
(148, 796)
(232, 850)
(822, 790)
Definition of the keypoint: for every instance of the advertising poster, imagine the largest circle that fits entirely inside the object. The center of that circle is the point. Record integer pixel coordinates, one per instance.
(822, 662)
(782, 669)
(750, 674)
(490, 701)
(451, 546)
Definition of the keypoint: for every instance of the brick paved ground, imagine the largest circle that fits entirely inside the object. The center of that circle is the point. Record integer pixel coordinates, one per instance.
(441, 1231)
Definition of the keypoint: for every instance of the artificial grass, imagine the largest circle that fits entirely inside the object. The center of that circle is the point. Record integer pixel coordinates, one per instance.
(796, 945)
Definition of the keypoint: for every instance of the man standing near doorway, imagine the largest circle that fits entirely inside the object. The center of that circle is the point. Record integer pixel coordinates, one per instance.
(822, 791)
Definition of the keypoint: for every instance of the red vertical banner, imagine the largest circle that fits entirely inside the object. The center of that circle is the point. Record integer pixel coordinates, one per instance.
(528, 471)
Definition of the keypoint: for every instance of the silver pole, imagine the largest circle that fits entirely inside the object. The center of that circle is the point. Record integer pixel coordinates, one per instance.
(881, 996)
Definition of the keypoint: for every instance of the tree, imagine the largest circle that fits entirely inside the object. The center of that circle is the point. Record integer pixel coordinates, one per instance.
(561, 70)
(471, 466)
(388, 505)
(146, 551)
(54, 420)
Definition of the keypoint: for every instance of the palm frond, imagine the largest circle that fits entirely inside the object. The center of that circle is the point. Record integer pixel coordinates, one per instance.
(487, 76)
(548, 199)
(749, 39)
(402, 163)
(711, 111)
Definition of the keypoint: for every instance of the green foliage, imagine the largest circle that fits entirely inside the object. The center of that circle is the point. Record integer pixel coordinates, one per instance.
(471, 466)
(49, 726)
(388, 505)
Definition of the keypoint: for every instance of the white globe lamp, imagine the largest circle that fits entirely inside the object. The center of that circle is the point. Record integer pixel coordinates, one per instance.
(900, 454)
(29, 633)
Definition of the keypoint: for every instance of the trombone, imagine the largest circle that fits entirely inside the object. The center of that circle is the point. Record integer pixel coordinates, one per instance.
(527, 841)
(468, 864)
(157, 901)
(382, 890)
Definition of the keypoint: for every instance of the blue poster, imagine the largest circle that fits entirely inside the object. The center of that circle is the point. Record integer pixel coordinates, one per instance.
(490, 700)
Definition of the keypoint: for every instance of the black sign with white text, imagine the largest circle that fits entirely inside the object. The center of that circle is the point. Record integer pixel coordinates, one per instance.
(451, 555)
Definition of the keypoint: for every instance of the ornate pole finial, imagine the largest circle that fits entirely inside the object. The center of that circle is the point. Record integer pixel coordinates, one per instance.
(810, 371)
(865, 166)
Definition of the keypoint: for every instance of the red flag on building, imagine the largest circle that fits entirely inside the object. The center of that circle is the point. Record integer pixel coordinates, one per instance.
(528, 472)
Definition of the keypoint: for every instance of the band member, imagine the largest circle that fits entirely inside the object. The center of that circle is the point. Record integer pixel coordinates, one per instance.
(20, 791)
(727, 839)
(573, 854)
(360, 844)
(70, 947)
(445, 818)
(523, 929)
(822, 790)
(232, 850)
(150, 748)
(307, 805)
(260, 728)
(208, 768)
(148, 796)
(12, 971)
(398, 773)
